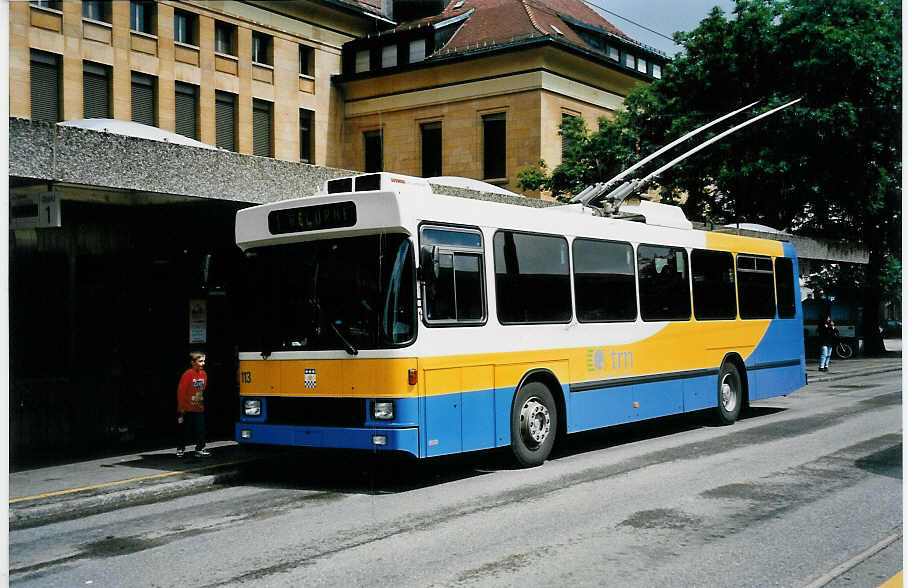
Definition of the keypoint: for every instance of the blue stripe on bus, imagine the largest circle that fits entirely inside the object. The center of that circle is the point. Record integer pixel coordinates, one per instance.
(406, 439)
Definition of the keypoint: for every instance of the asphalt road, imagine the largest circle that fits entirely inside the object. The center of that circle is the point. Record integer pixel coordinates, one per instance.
(805, 489)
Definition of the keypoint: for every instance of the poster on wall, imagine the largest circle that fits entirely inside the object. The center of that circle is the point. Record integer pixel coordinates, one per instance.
(198, 321)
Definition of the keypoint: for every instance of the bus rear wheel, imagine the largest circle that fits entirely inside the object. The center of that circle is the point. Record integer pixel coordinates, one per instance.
(731, 394)
(534, 422)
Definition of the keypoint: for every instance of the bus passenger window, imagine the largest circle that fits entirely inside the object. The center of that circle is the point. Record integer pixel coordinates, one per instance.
(604, 287)
(713, 273)
(756, 291)
(532, 278)
(451, 262)
(785, 288)
(663, 281)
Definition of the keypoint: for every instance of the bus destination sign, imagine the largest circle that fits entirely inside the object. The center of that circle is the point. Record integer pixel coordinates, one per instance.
(312, 218)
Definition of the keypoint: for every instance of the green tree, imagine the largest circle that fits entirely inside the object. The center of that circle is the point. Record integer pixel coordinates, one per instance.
(828, 167)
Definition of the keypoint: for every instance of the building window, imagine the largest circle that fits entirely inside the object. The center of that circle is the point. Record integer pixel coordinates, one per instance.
(452, 269)
(96, 10)
(45, 86)
(307, 137)
(185, 27)
(641, 65)
(362, 61)
(186, 106)
(225, 120)
(261, 128)
(95, 90)
(417, 50)
(629, 60)
(604, 288)
(566, 141)
(494, 146)
(141, 16)
(389, 56)
(663, 282)
(307, 60)
(54, 4)
(224, 38)
(143, 92)
(431, 149)
(713, 274)
(657, 71)
(612, 53)
(372, 147)
(532, 278)
(261, 48)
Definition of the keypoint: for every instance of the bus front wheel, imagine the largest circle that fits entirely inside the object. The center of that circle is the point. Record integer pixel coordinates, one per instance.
(731, 394)
(534, 422)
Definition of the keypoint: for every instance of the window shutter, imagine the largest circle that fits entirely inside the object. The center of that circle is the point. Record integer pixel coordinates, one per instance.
(185, 105)
(261, 128)
(95, 91)
(225, 123)
(143, 99)
(45, 87)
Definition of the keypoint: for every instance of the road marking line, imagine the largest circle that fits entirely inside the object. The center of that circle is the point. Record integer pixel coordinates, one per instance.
(895, 581)
(118, 482)
(864, 555)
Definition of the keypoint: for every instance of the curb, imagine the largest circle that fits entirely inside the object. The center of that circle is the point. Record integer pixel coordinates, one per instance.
(68, 509)
(844, 375)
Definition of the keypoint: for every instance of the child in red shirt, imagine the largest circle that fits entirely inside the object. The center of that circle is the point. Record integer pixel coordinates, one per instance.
(191, 404)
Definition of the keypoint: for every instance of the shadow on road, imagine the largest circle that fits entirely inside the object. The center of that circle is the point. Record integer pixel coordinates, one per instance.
(351, 472)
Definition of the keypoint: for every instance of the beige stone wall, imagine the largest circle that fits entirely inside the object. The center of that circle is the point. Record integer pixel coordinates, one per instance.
(65, 33)
(533, 87)
(462, 136)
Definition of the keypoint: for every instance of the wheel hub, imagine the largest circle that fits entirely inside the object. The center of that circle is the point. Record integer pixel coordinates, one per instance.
(535, 421)
(729, 396)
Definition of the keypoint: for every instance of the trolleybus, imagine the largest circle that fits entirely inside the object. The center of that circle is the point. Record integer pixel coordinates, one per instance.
(391, 317)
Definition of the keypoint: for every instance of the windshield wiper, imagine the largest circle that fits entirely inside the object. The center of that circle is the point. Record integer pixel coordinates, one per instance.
(348, 347)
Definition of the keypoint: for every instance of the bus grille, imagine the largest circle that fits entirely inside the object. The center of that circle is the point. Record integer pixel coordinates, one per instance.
(317, 412)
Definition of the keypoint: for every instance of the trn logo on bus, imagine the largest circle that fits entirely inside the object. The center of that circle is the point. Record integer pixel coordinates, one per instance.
(598, 360)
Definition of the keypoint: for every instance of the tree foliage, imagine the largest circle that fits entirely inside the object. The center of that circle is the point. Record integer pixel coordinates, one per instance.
(828, 167)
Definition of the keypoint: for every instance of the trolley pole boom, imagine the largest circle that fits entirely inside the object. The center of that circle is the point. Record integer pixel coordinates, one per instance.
(597, 192)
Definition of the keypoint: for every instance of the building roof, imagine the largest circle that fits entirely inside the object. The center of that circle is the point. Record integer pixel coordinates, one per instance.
(491, 23)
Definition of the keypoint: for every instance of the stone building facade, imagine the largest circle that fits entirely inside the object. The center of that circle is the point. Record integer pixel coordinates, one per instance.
(260, 67)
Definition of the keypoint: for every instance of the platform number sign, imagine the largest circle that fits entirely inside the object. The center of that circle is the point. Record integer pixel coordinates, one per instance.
(38, 210)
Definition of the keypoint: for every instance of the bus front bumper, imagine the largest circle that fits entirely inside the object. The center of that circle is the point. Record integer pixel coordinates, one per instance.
(385, 439)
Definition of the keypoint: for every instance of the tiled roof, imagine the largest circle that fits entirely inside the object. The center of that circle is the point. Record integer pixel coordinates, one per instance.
(498, 22)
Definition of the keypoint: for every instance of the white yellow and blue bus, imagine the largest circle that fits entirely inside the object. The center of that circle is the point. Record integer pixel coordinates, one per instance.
(389, 317)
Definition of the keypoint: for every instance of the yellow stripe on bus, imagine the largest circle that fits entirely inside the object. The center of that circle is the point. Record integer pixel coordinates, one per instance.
(676, 347)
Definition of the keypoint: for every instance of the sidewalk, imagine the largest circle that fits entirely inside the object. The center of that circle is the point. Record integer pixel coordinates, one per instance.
(65, 491)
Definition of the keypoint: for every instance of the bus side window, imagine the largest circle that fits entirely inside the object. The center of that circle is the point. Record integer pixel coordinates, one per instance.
(604, 285)
(714, 285)
(663, 282)
(756, 291)
(785, 288)
(451, 262)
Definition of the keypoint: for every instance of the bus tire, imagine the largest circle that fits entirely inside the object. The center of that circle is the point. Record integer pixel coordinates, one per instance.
(534, 423)
(730, 394)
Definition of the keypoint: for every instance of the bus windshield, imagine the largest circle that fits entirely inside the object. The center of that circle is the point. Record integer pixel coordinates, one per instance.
(350, 293)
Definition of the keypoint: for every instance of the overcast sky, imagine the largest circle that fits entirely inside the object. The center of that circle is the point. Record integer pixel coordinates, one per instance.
(663, 16)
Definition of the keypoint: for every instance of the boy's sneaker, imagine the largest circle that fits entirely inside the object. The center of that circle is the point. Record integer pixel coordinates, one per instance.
(202, 453)
(179, 453)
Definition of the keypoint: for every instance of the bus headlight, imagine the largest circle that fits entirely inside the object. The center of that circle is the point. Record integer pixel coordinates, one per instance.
(252, 407)
(383, 410)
